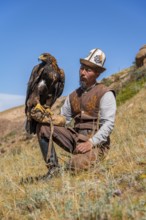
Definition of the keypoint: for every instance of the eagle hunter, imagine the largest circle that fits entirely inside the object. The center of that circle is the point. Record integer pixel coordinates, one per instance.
(45, 85)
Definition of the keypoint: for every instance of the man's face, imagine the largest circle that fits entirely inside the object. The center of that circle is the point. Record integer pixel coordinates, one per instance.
(87, 76)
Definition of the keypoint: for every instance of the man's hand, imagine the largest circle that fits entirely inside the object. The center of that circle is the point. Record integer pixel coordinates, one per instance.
(83, 147)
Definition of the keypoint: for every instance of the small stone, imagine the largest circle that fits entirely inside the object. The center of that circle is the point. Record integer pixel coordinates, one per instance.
(2, 150)
(117, 192)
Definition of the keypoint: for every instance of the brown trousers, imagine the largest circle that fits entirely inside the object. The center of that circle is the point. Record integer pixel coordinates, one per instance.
(68, 138)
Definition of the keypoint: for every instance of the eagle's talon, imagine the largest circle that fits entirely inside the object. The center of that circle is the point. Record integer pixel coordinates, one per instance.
(39, 107)
(48, 111)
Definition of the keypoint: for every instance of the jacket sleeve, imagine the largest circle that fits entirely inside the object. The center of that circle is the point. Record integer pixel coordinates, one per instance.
(107, 114)
(66, 110)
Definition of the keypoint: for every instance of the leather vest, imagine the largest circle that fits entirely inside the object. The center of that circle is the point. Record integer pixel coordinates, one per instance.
(85, 107)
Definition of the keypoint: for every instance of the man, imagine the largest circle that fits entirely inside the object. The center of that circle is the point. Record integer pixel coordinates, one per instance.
(92, 107)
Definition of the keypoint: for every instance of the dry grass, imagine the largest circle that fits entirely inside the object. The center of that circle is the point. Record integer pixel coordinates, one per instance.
(114, 190)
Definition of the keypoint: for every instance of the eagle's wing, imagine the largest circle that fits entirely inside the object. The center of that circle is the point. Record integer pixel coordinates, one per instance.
(35, 76)
(33, 80)
(59, 86)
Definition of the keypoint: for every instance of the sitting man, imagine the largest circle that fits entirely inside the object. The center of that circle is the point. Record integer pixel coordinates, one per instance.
(92, 107)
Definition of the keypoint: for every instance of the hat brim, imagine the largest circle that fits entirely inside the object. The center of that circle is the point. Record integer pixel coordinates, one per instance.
(92, 65)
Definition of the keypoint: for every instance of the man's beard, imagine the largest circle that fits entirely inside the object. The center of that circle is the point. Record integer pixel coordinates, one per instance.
(83, 84)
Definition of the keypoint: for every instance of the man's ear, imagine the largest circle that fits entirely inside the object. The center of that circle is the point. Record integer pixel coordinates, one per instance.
(97, 74)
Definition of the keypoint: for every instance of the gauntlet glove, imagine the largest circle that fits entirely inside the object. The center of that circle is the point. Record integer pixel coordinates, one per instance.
(45, 117)
(59, 120)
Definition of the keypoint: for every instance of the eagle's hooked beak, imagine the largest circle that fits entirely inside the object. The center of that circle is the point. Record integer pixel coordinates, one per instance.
(41, 57)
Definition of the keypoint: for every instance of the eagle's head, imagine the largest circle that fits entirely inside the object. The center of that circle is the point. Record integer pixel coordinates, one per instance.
(47, 58)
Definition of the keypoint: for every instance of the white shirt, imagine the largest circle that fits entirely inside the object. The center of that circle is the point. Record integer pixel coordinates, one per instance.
(107, 111)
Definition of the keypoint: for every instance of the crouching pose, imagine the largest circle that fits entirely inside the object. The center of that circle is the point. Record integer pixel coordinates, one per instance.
(92, 107)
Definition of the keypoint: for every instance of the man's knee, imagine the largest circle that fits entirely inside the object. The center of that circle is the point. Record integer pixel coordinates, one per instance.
(43, 131)
(84, 161)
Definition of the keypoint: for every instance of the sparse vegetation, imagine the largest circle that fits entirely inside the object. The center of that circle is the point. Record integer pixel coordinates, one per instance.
(131, 89)
(115, 189)
(127, 83)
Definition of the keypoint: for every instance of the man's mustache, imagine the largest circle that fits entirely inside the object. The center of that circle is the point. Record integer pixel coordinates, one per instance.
(82, 78)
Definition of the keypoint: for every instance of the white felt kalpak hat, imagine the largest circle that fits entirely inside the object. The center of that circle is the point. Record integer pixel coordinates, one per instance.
(95, 59)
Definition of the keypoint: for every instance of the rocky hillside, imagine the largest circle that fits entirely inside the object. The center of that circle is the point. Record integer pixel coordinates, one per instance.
(121, 79)
(127, 82)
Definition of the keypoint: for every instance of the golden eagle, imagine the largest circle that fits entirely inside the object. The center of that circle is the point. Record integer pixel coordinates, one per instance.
(45, 85)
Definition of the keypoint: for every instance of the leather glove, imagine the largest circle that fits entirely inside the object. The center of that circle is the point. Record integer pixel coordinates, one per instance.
(43, 117)
(40, 116)
(59, 120)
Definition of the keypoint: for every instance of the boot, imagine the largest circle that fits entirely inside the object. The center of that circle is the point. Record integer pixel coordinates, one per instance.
(54, 171)
(53, 160)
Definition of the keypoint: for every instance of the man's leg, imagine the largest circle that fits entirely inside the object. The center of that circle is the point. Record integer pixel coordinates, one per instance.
(61, 136)
(44, 143)
(85, 161)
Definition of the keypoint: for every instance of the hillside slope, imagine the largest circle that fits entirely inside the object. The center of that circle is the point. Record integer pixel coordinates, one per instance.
(113, 190)
(12, 125)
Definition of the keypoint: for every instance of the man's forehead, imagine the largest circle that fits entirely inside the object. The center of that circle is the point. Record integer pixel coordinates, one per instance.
(85, 66)
(88, 67)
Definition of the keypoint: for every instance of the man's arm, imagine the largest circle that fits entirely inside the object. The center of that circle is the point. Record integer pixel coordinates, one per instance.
(66, 110)
(106, 118)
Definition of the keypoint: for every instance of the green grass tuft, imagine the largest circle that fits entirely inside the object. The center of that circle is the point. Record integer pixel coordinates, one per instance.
(130, 90)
